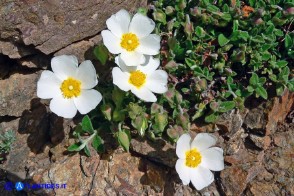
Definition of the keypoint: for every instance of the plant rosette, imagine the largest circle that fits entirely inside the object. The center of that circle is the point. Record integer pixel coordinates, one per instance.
(141, 80)
(131, 38)
(197, 158)
(69, 86)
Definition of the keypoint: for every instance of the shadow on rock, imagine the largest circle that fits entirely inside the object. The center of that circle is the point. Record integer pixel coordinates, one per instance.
(35, 122)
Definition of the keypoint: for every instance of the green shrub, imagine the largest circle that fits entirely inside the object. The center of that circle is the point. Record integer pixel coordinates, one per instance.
(221, 53)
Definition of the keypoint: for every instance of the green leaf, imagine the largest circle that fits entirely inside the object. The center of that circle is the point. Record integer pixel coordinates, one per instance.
(290, 85)
(75, 147)
(142, 10)
(87, 151)
(118, 115)
(262, 80)
(284, 75)
(281, 64)
(212, 8)
(226, 106)
(101, 53)
(261, 91)
(254, 79)
(222, 40)
(87, 124)
(288, 41)
(78, 130)
(118, 96)
(124, 139)
(252, 3)
(199, 31)
(235, 25)
(250, 89)
(279, 89)
(97, 144)
(211, 118)
(161, 120)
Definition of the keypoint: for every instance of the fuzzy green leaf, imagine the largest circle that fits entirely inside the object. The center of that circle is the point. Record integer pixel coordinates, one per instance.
(222, 40)
(101, 53)
(75, 147)
(124, 139)
(211, 118)
(226, 106)
(254, 79)
(97, 144)
(87, 124)
(261, 91)
(288, 41)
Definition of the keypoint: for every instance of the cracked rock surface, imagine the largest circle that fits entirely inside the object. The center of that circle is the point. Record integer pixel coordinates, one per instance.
(258, 142)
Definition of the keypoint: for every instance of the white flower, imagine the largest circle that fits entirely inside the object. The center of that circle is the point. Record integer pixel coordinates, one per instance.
(142, 80)
(69, 86)
(131, 38)
(197, 158)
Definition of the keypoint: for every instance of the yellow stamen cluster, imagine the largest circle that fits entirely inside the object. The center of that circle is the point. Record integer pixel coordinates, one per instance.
(70, 88)
(193, 158)
(137, 78)
(129, 41)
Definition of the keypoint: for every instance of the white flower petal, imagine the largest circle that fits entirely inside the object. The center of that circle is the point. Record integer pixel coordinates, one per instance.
(118, 23)
(201, 177)
(149, 45)
(111, 42)
(86, 73)
(63, 107)
(132, 58)
(64, 66)
(157, 81)
(150, 65)
(123, 66)
(183, 171)
(141, 25)
(144, 93)
(120, 79)
(183, 145)
(48, 85)
(213, 159)
(87, 101)
(203, 141)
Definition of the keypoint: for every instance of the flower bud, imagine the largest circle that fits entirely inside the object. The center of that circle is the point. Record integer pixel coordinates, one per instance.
(290, 11)
(188, 27)
(196, 11)
(106, 110)
(182, 4)
(160, 16)
(140, 123)
(183, 120)
(258, 21)
(169, 10)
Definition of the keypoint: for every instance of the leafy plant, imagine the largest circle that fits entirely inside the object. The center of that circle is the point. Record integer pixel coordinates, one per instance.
(6, 141)
(86, 128)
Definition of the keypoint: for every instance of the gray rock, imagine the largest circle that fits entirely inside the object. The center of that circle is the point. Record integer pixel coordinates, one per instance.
(53, 25)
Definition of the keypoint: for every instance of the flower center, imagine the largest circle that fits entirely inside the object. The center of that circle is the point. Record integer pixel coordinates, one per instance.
(137, 78)
(129, 41)
(193, 158)
(70, 88)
